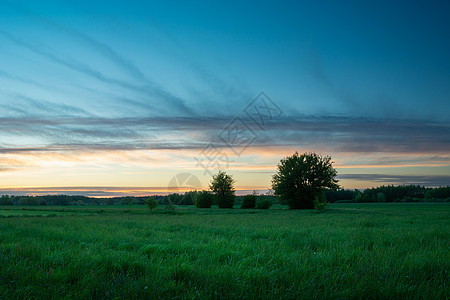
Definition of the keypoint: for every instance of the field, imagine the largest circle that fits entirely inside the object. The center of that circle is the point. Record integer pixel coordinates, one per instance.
(394, 250)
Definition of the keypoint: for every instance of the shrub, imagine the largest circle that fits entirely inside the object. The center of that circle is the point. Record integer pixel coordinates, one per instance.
(151, 203)
(320, 206)
(204, 199)
(264, 203)
(249, 201)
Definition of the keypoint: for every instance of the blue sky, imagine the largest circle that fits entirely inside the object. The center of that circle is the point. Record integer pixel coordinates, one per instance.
(128, 93)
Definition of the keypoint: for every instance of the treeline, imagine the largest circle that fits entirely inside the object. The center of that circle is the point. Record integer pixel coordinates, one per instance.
(45, 200)
(72, 200)
(390, 193)
(187, 198)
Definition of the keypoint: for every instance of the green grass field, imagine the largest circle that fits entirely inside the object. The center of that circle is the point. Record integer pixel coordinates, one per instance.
(395, 250)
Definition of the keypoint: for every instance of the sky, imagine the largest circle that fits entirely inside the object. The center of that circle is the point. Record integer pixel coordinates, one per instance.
(111, 98)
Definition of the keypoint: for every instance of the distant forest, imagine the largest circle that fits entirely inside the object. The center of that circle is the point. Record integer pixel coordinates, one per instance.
(390, 193)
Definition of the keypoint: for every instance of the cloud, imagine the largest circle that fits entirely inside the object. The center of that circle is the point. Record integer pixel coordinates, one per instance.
(205, 83)
(426, 180)
(349, 134)
(18, 78)
(332, 133)
(319, 73)
(172, 102)
(106, 51)
(210, 84)
(45, 108)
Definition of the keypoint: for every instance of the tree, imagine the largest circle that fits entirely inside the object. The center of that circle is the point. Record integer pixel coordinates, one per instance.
(300, 179)
(128, 200)
(151, 203)
(174, 199)
(381, 197)
(204, 199)
(222, 185)
(28, 200)
(188, 198)
(5, 200)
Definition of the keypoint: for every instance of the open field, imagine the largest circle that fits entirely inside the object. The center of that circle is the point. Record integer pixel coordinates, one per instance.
(393, 250)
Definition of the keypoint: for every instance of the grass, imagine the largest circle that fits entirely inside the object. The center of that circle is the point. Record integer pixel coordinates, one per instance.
(395, 250)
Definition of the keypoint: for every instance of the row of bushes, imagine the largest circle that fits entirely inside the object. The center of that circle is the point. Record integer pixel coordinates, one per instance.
(205, 199)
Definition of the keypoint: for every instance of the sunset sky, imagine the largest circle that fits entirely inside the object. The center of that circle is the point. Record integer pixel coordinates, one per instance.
(109, 98)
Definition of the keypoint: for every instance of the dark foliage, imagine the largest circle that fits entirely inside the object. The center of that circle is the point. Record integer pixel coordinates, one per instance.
(263, 203)
(333, 196)
(151, 203)
(249, 201)
(222, 185)
(5, 200)
(300, 179)
(204, 199)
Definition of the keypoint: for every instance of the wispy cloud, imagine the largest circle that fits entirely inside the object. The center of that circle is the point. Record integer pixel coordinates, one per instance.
(337, 134)
(160, 95)
(350, 134)
(19, 78)
(426, 180)
(162, 100)
(105, 50)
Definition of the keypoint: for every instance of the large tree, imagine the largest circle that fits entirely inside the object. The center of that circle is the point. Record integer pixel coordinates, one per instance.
(222, 185)
(300, 179)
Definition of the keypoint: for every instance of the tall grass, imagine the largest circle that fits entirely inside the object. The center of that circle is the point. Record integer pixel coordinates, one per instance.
(350, 250)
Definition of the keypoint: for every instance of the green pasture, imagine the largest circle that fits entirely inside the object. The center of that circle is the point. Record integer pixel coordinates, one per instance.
(390, 250)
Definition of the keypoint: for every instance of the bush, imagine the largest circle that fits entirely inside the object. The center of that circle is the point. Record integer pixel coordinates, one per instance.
(264, 203)
(151, 203)
(320, 206)
(204, 199)
(249, 201)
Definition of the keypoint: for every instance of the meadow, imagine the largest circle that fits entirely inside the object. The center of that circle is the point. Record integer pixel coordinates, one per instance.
(379, 250)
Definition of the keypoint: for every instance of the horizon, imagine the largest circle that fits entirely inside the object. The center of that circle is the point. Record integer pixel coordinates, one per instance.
(117, 99)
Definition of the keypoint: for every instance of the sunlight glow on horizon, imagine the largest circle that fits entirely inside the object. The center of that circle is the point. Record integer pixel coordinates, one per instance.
(147, 172)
